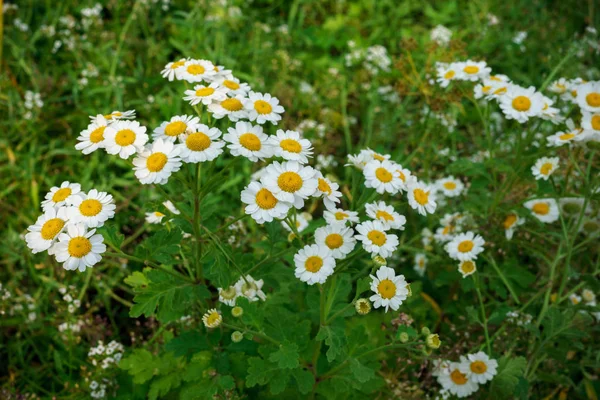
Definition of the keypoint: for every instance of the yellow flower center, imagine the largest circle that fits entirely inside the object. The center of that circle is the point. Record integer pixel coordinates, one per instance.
(313, 264)
(458, 377)
(596, 122)
(232, 104)
(541, 208)
(158, 214)
(593, 99)
(213, 318)
(521, 103)
(113, 115)
(486, 89)
(79, 247)
(97, 134)
(265, 199)
(250, 141)
(262, 107)
(447, 229)
(229, 293)
(206, 91)
(61, 194)
(546, 168)
(402, 176)
(383, 175)
(290, 182)
(421, 196)
(386, 289)
(340, 216)
(125, 137)
(175, 128)
(198, 141)
(334, 241)
(378, 157)
(195, 69)
(51, 228)
(90, 207)
(467, 267)
(156, 162)
(449, 75)
(500, 91)
(177, 64)
(495, 78)
(566, 136)
(384, 215)
(450, 185)
(471, 69)
(378, 238)
(510, 221)
(478, 367)
(231, 84)
(324, 186)
(465, 246)
(291, 145)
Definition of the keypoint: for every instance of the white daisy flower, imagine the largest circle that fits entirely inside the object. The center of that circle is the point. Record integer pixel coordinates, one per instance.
(92, 209)
(544, 167)
(550, 113)
(157, 162)
(559, 86)
(445, 233)
(329, 191)
(390, 289)
(62, 196)
(314, 264)
(290, 146)
(92, 138)
(446, 74)
(473, 70)
(212, 318)
(420, 264)
(590, 227)
(231, 107)
(450, 186)
(233, 86)
(386, 215)
(382, 176)
(339, 216)
(571, 207)
(467, 267)
(590, 121)
(196, 71)
(201, 146)
(575, 299)
(457, 382)
(47, 227)
(251, 288)
(248, 141)
(177, 126)
(262, 205)
(155, 217)
(588, 96)
(78, 248)
(170, 70)
(125, 138)
(115, 116)
(337, 238)
(421, 198)
(205, 94)
(546, 210)
(375, 240)
(521, 104)
(588, 296)
(290, 182)
(490, 89)
(572, 134)
(465, 246)
(510, 223)
(171, 207)
(359, 160)
(228, 296)
(222, 73)
(479, 367)
(263, 107)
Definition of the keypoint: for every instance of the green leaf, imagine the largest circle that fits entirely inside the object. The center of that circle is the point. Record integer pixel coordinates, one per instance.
(335, 338)
(304, 379)
(112, 236)
(161, 246)
(226, 382)
(187, 344)
(507, 379)
(140, 364)
(286, 356)
(137, 280)
(360, 371)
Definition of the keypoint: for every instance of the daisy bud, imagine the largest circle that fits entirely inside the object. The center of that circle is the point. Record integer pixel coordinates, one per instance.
(433, 341)
(212, 318)
(425, 331)
(403, 337)
(363, 306)
(378, 260)
(409, 290)
(237, 311)
(237, 336)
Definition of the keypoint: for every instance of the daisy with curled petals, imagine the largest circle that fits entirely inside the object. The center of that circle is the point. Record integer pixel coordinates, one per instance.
(420, 264)
(155, 217)
(339, 216)
(510, 223)
(290, 182)
(521, 103)
(490, 89)
(250, 288)
(421, 198)
(465, 246)
(386, 215)
(375, 240)
(263, 107)
(590, 226)
(290, 146)
(231, 107)
(479, 367)
(78, 248)
(228, 295)
(248, 141)
(205, 94)
(588, 96)
(92, 138)
(544, 167)
(314, 264)
(175, 127)
(115, 116)
(329, 191)
(261, 205)
(559, 86)
(156, 163)
(450, 186)
(591, 121)
(61, 196)
(473, 70)
(169, 71)
(212, 318)
(359, 160)
(546, 210)
(201, 146)
(446, 74)
(338, 238)
(92, 209)
(550, 113)
(382, 176)
(233, 86)
(43, 233)
(125, 138)
(390, 289)
(457, 382)
(196, 71)
(467, 267)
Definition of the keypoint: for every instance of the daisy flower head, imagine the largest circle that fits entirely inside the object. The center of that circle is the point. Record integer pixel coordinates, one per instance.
(92, 137)
(445, 233)
(228, 295)
(544, 167)
(291, 147)
(588, 296)
(571, 207)
(248, 141)
(590, 227)
(212, 318)
(421, 198)
(446, 74)
(382, 176)
(314, 264)
(290, 182)
(571, 134)
(590, 121)
(575, 299)
(405, 176)
(92, 209)
(521, 103)
(196, 71)
(250, 288)
(362, 306)
(337, 238)
(157, 162)
(329, 191)
(550, 113)
(473, 70)
(465, 246)
(386, 214)
(231, 107)
(77, 248)
(479, 367)
(588, 96)
(205, 94)
(450, 186)
(559, 86)
(262, 205)
(124, 138)
(263, 107)
(510, 223)
(177, 126)
(457, 382)
(170, 70)
(201, 145)
(43, 234)
(62, 196)
(467, 267)
(490, 89)
(359, 160)
(339, 216)
(375, 239)
(116, 116)
(420, 264)
(233, 86)
(545, 210)
(221, 73)
(390, 289)
(155, 217)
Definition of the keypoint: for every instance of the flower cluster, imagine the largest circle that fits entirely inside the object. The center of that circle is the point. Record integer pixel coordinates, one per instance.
(463, 378)
(104, 358)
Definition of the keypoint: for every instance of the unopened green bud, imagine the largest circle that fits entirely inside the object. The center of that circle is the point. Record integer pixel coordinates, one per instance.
(363, 306)
(237, 311)
(379, 260)
(403, 337)
(237, 336)
(425, 331)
